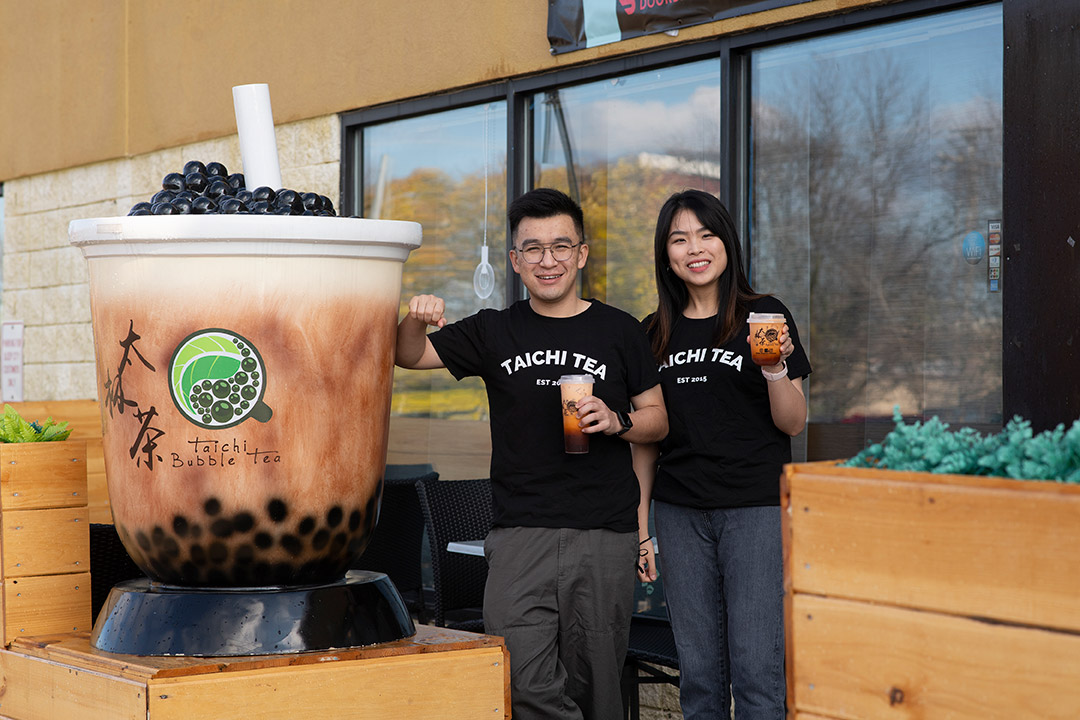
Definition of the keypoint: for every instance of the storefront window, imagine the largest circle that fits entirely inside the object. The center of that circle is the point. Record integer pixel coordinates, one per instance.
(876, 203)
(446, 171)
(620, 147)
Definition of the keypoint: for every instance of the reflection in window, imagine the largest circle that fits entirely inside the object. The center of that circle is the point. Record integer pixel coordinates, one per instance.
(446, 171)
(620, 147)
(874, 153)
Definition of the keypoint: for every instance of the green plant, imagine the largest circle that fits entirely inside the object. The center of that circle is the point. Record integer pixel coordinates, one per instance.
(1015, 452)
(13, 429)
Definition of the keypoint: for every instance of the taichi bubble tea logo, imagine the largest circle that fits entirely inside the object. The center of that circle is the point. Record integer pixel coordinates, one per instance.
(217, 379)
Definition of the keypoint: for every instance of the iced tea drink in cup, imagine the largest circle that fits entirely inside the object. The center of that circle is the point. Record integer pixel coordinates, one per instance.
(244, 367)
(573, 389)
(765, 329)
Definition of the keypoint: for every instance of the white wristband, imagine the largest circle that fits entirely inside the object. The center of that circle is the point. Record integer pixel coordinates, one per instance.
(773, 377)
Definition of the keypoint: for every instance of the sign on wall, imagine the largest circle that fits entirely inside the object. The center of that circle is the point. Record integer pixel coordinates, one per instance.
(578, 24)
(11, 360)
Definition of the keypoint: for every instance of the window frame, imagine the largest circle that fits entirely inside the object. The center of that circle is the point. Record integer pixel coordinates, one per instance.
(734, 53)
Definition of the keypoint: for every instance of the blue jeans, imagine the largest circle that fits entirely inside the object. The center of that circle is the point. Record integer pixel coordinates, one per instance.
(723, 579)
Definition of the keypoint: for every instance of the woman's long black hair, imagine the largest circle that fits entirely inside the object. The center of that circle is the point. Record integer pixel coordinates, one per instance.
(735, 292)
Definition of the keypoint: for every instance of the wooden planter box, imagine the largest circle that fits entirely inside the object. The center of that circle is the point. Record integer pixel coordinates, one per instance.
(911, 595)
(44, 539)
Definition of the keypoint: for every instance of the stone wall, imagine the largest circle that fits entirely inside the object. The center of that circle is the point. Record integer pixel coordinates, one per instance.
(45, 281)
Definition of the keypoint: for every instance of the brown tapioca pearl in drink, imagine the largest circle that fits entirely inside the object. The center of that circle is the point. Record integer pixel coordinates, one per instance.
(334, 516)
(283, 573)
(170, 547)
(243, 522)
(198, 554)
(189, 573)
(321, 539)
(356, 544)
(244, 554)
(142, 540)
(180, 526)
(222, 528)
(306, 526)
(355, 518)
(196, 531)
(262, 573)
(157, 536)
(277, 510)
(339, 542)
(212, 507)
(291, 544)
(218, 553)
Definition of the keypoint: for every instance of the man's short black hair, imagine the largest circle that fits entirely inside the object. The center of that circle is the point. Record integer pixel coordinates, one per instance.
(545, 203)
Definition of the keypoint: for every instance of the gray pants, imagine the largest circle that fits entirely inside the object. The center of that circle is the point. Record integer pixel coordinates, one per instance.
(562, 599)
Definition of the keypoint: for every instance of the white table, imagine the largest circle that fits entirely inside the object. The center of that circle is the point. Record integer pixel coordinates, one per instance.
(466, 547)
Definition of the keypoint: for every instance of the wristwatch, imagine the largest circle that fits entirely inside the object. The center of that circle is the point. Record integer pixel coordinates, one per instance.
(624, 419)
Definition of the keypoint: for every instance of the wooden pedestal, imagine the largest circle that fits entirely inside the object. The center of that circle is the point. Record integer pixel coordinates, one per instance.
(438, 673)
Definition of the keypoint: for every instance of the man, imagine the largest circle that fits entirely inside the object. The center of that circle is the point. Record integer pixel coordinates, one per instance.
(563, 548)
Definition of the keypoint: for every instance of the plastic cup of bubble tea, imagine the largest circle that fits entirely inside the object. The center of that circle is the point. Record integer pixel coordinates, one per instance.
(573, 389)
(765, 329)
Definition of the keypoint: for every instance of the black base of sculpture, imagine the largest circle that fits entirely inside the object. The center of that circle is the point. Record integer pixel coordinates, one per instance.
(144, 618)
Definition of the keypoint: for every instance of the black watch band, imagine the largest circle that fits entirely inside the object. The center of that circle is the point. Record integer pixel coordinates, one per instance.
(624, 419)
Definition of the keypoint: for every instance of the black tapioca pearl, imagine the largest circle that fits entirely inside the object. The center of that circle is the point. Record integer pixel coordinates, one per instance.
(244, 554)
(355, 518)
(212, 506)
(144, 542)
(277, 510)
(306, 525)
(308, 572)
(222, 528)
(356, 544)
(170, 547)
(242, 522)
(188, 572)
(263, 540)
(283, 573)
(216, 578)
(321, 539)
(159, 567)
(218, 552)
(198, 554)
(292, 544)
(157, 535)
(262, 573)
(180, 526)
(196, 531)
(339, 541)
(333, 518)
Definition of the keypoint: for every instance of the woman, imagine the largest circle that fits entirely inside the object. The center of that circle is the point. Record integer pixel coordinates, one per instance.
(715, 479)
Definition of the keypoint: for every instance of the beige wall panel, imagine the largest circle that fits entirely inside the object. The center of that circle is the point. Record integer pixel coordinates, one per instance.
(102, 79)
(62, 84)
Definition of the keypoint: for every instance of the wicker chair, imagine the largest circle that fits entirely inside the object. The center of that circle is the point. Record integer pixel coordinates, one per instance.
(457, 510)
(651, 644)
(109, 564)
(396, 544)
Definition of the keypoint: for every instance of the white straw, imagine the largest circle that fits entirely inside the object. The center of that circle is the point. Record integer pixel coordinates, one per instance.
(258, 144)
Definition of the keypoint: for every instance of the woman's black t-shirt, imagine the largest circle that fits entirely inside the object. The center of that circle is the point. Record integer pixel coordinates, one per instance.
(722, 448)
(521, 355)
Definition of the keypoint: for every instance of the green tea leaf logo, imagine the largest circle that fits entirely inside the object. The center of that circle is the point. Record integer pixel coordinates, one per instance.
(217, 379)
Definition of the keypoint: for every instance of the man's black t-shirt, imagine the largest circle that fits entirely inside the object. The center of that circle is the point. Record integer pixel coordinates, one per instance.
(722, 448)
(521, 355)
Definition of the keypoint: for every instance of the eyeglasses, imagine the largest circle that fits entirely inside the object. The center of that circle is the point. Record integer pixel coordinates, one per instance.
(561, 252)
